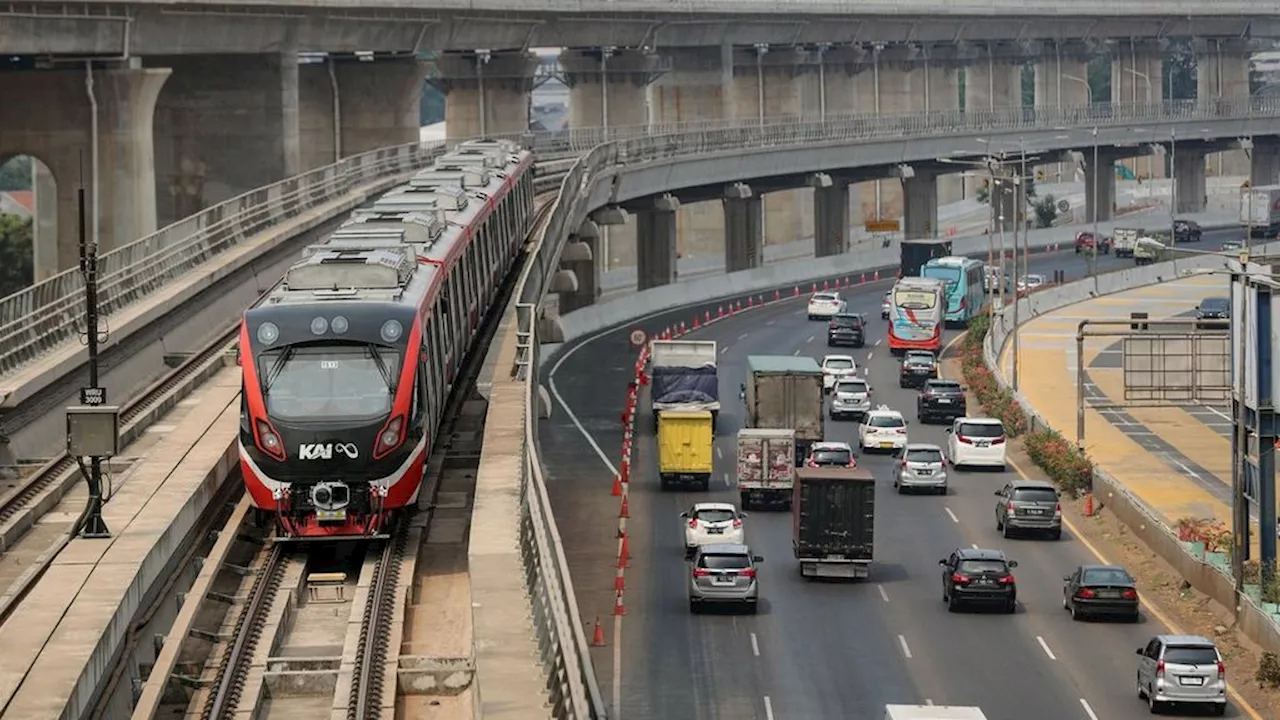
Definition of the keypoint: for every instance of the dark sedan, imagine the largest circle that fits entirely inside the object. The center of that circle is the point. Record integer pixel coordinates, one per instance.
(918, 367)
(1100, 590)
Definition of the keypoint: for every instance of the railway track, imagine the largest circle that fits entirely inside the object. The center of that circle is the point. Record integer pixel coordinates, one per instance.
(293, 598)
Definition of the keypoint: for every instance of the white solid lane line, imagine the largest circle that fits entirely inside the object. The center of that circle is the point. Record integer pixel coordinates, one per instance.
(1045, 646)
(905, 649)
(952, 515)
(883, 595)
(768, 708)
(755, 645)
(1088, 710)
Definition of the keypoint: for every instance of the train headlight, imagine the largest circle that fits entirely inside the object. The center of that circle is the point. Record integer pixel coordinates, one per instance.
(389, 438)
(269, 441)
(391, 331)
(268, 333)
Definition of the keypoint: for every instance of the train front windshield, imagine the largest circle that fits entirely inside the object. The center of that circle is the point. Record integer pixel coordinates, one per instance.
(325, 382)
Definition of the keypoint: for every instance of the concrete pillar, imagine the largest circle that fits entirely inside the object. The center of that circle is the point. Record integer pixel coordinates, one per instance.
(44, 222)
(1222, 74)
(348, 107)
(1189, 183)
(743, 228)
(225, 124)
(830, 215)
(992, 82)
(580, 257)
(53, 124)
(486, 94)
(1265, 165)
(656, 256)
(608, 90)
(1059, 73)
(1137, 72)
(697, 86)
(1100, 196)
(920, 206)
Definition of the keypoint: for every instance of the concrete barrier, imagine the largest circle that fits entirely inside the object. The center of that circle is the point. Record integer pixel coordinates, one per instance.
(1141, 519)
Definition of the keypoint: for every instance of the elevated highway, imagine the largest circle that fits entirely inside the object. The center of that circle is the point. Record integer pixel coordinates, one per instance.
(52, 306)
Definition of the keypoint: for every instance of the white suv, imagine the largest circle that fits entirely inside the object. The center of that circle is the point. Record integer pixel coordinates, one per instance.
(976, 442)
(837, 367)
(883, 429)
(825, 305)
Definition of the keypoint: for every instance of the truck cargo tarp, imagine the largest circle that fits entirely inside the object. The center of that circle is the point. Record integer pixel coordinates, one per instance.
(685, 385)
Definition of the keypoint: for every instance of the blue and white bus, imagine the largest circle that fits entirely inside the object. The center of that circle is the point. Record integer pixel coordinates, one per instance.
(965, 286)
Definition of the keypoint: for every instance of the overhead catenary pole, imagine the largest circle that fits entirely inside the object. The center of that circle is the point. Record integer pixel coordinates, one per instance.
(94, 526)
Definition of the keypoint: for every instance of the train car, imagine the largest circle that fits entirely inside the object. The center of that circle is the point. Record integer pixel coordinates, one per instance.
(348, 362)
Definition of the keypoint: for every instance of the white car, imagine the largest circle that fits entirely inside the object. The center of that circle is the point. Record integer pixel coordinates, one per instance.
(884, 305)
(976, 442)
(837, 367)
(850, 396)
(1032, 282)
(825, 305)
(883, 429)
(712, 523)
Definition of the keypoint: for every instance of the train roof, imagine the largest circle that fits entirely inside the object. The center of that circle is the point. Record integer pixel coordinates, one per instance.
(394, 249)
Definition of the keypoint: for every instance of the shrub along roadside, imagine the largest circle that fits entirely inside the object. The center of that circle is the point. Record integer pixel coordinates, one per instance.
(1070, 469)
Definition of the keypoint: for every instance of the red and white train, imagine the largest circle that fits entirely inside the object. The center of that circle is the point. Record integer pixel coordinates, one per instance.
(348, 361)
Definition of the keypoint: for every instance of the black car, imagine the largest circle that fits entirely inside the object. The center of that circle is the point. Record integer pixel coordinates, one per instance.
(940, 400)
(1213, 313)
(1094, 590)
(975, 575)
(918, 366)
(1186, 231)
(847, 329)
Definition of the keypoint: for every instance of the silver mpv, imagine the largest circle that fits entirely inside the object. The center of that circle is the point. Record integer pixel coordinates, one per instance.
(1182, 669)
(921, 468)
(724, 573)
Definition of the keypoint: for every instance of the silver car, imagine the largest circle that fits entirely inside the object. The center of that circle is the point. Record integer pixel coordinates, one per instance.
(921, 468)
(850, 398)
(1182, 669)
(724, 573)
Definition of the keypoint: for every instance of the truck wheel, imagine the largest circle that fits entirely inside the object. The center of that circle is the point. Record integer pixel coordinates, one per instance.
(744, 501)
(705, 484)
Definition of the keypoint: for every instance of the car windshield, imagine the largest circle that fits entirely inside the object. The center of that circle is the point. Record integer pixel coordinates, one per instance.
(982, 566)
(887, 421)
(831, 457)
(1044, 495)
(327, 382)
(1215, 304)
(852, 386)
(915, 299)
(1190, 655)
(925, 455)
(838, 364)
(846, 321)
(980, 430)
(1106, 576)
(919, 359)
(943, 387)
(713, 515)
(725, 562)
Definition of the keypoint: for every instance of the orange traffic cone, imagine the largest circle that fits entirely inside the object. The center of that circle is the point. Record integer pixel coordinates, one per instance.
(617, 486)
(624, 552)
(1088, 505)
(777, 295)
(625, 512)
(863, 278)
(876, 275)
(618, 607)
(597, 634)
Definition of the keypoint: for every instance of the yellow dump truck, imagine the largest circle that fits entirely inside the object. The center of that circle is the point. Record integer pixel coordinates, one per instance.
(685, 444)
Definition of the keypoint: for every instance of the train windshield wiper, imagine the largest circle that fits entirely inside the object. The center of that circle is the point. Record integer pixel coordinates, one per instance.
(277, 367)
(381, 365)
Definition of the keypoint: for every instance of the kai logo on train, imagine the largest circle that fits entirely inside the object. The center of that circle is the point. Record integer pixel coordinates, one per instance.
(325, 451)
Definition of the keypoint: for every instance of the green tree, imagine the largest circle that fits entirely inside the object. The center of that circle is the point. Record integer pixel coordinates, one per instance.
(1100, 79)
(431, 106)
(1029, 187)
(1046, 211)
(1029, 85)
(16, 262)
(1179, 75)
(16, 174)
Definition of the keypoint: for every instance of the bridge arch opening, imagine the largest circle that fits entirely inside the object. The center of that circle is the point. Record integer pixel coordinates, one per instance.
(28, 221)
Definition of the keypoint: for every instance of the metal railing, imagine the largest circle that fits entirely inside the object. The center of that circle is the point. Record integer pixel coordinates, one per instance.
(563, 630)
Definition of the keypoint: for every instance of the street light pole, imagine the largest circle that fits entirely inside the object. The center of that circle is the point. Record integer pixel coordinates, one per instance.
(1173, 187)
(1093, 252)
(1017, 186)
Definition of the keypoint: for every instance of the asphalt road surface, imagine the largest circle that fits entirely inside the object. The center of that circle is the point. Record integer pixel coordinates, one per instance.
(819, 649)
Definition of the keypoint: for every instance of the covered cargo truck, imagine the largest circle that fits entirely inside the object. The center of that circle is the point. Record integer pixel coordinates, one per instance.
(1260, 209)
(684, 377)
(833, 519)
(932, 712)
(766, 466)
(785, 392)
(685, 441)
(915, 253)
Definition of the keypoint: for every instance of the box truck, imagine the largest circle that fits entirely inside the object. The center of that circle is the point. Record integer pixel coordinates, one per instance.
(685, 443)
(1260, 209)
(833, 520)
(766, 466)
(785, 393)
(683, 377)
(915, 253)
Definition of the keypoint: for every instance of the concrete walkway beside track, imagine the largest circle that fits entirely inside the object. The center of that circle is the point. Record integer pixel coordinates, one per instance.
(1176, 459)
(61, 640)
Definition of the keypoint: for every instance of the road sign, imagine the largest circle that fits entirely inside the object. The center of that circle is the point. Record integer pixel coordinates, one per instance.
(1063, 206)
(93, 396)
(638, 337)
(875, 226)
